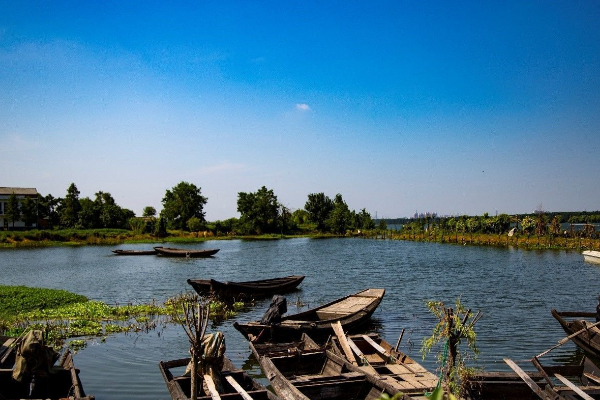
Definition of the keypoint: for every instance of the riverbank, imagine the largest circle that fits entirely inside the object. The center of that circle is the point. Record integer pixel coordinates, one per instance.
(532, 242)
(63, 315)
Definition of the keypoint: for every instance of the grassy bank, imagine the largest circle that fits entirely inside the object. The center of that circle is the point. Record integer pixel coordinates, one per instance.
(66, 315)
(502, 240)
(79, 237)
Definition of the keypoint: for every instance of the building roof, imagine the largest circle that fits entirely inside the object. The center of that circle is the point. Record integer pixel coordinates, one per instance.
(18, 191)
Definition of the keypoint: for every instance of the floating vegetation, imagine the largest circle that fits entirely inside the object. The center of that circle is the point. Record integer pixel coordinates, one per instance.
(64, 315)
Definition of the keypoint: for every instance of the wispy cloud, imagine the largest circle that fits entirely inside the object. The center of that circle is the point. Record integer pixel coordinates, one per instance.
(302, 107)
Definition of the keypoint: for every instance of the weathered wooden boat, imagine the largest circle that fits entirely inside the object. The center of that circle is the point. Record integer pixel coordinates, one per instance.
(258, 288)
(374, 355)
(591, 256)
(352, 311)
(135, 252)
(37, 380)
(572, 322)
(311, 372)
(561, 382)
(236, 383)
(189, 253)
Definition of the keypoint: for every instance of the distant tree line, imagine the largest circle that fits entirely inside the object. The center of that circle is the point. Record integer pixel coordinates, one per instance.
(538, 223)
(183, 209)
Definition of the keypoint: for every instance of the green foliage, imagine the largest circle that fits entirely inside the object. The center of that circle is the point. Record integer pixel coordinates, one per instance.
(528, 225)
(382, 225)
(29, 211)
(339, 218)
(70, 207)
(319, 207)
(181, 203)
(453, 327)
(12, 209)
(160, 228)
(259, 211)
(385, 396)
(194, 224)
(21, 299)
(149, 211)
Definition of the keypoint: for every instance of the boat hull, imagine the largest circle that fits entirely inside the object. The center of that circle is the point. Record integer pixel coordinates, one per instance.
(351, 311)
(185, 253)
(591, 256)
(258, 288)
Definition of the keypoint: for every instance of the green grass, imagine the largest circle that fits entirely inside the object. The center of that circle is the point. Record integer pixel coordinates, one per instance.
(66, 315)
(16, 300)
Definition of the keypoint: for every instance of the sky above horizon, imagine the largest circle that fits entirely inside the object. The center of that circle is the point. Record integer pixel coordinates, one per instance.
(400, 106)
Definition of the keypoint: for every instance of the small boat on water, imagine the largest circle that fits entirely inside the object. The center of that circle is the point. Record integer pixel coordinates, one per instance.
(374, 355)
(236, 383)
(188, 253)
(352, 311)
(311, 372)
(35, 375)
(591, 256)
(258, 288)
(583, 323)
(135, 252)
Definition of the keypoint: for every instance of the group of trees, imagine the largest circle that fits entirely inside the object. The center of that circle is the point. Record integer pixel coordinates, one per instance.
(539, 224)
(183, 209)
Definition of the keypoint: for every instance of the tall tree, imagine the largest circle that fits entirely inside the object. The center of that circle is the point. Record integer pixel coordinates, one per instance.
(69, 216)
(149, 211)
(339, 219)
(181, 203)
(318, 207)
(259, 211)
(13, 209)
(48, 209)
(29, 211)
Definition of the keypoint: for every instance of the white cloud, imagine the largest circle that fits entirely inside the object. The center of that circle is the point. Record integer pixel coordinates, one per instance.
(302, 107)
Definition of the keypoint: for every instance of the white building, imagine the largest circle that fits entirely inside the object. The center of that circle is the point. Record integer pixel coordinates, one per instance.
(21, 193)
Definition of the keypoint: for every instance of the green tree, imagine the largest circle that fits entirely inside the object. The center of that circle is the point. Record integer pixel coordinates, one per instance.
(339, 218)
(69, 214)
(88, 217)
(149, 211)
(259, 211)
(13, 209)
(528, 225)
(48, 209)
(364, 220)
(382, 225)
(300, 216)
(160, 228)
(319, 207)
(194, 225)
(29, 211)
(181, 203)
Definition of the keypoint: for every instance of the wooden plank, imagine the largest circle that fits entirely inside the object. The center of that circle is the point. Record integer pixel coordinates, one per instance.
(339, 332)
(238, 388)
(565, 340)
(574, 387)
(377, 347)
(210, 384)
(532, 385)
(592, 377)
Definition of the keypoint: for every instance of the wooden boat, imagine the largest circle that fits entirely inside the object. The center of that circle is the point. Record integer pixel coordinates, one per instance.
(250, 288)
(562, 382)
(236, 383)
(135, 252)
(572, 322)
(59, 382)
(189, 253)
(352, 311)
(316, 373)
(374, 355)
(591, 256)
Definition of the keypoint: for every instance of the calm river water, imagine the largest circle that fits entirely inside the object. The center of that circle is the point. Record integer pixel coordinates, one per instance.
(515, 289)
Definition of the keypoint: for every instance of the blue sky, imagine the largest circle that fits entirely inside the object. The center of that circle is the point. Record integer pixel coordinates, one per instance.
(449, 107)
